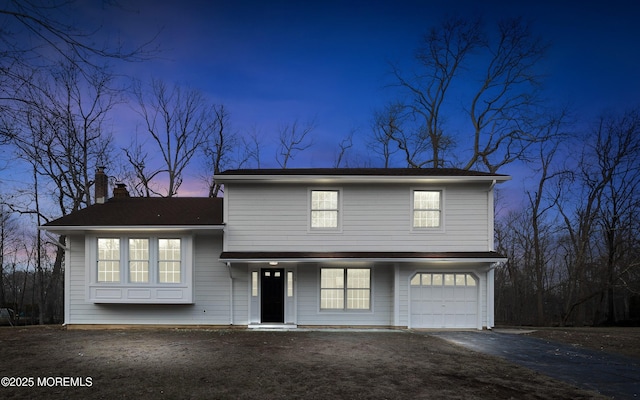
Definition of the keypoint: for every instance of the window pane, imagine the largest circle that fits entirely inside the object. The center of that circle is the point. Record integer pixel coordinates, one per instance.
(289, 284)
(169, 260)
(460, 281)
(426, 280)
(415, 281)
(471, 281)
(449, 279)
(332, 278)
(108, 260)
(358, 299)
(139, 260)
(437, 280)
(324, 200)
(426, 219)
(169, 272)
(324, 219)
(426, 200)
(358, 278)
(108, 271)
(254, 283)
(332, 299)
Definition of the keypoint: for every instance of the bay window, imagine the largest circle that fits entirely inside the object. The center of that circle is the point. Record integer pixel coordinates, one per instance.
(130, 269)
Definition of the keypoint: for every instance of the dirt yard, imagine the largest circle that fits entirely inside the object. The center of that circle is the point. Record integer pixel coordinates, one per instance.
(50, 362)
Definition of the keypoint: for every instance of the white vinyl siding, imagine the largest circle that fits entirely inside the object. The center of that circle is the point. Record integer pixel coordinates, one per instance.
(372, 218)
(309, 313)
(211, 292)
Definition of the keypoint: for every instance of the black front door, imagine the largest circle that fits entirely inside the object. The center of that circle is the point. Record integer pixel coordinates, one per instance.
(272, 295)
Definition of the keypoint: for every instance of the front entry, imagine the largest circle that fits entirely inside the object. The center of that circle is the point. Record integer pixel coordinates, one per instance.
(272, 295)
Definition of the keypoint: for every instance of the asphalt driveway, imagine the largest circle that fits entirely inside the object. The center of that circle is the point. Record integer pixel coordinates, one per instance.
(609, 374)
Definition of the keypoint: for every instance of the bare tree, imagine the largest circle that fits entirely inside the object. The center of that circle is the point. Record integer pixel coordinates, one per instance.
(36, 34)
(219, 147)
(500, 100)
(344, 145)
(177, 120)
(598, 212)
(293, 139)
(60, 133)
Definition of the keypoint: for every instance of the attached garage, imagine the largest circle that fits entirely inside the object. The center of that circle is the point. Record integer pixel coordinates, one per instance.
(444, 300)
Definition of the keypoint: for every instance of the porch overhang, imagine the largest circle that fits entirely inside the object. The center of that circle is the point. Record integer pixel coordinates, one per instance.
(489, 257)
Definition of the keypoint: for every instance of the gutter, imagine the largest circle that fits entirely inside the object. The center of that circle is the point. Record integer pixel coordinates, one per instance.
(228, 263)
(56, 241)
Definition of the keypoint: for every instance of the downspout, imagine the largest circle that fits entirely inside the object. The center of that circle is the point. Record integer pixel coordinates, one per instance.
(491, 294)
(230, 293)
(490, 216)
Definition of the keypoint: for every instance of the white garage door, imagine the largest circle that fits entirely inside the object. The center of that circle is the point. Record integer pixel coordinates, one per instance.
(444, 301)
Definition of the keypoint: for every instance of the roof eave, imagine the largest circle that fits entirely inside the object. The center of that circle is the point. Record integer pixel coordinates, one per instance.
(439, 260)
(361, 178)
(137, 228)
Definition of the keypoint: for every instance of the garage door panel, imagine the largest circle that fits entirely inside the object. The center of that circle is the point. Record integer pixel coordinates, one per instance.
(443, 301)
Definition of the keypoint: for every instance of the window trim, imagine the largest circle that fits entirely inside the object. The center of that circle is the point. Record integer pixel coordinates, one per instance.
(345, 291)
(310, 228)
(126, 291)
(412, 210)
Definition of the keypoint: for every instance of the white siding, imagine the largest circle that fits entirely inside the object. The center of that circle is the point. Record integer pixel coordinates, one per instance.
(212, 293)
(308, 301)
(373, 218)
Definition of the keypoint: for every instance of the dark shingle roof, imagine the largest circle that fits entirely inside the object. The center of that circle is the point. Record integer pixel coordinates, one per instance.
(347, 255)
(152, 211)
(358, 172)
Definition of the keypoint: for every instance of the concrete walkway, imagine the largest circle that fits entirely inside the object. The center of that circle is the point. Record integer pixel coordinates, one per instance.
(606, 373)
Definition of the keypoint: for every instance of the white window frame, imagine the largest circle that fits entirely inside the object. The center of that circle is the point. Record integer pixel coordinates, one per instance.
(345, 290)
(412, 210)
(310, 210)
(151, 292)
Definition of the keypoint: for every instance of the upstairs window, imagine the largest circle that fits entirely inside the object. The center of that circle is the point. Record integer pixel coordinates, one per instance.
(427, 208)
(325, 209)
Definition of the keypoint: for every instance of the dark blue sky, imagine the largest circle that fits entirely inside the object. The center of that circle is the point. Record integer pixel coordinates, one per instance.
(272, 62)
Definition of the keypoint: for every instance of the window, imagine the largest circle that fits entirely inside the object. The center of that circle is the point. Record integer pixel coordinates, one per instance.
(169, 260)
(428, 279)
(108, 260)
(139, 260)
(427, 210)
(345, 289)
(139, 269)
(254, 283)
(138, 255)
(324, 209)
(289, 283)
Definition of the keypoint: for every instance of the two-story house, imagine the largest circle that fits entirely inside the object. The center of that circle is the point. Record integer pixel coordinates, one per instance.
(292, 248)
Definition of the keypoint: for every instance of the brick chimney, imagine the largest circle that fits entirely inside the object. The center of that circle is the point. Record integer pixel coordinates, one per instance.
(101, 186)
(120, 191)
